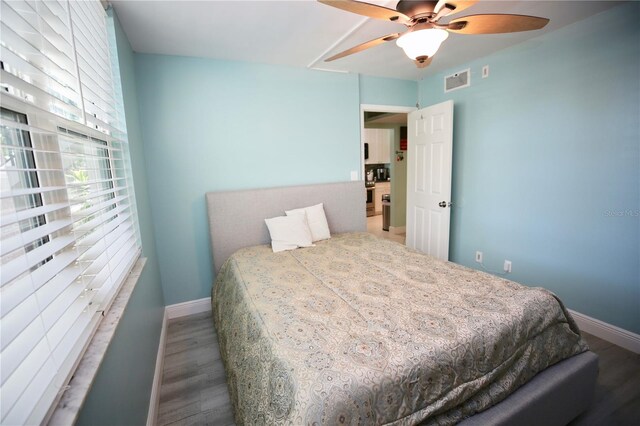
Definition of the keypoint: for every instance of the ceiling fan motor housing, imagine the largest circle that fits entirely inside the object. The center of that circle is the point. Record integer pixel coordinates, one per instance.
(417, 9)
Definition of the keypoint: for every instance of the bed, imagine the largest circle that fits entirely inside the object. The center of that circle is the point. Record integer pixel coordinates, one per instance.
(359, 330)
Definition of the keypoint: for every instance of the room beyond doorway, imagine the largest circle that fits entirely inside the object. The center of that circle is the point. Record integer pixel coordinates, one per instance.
(374, 226)
(384, 167)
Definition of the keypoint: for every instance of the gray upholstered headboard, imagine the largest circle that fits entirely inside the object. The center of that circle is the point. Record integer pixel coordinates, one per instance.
(236, 218)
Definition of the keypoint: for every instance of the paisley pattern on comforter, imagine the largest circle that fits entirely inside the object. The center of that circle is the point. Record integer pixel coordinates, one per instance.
(359, 330)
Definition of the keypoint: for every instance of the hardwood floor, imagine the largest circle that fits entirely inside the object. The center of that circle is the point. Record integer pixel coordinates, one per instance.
(194, 390)
(374, 226)
(616, 400)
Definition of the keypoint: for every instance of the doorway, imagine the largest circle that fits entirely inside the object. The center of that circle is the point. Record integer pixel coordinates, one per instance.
(384, 168)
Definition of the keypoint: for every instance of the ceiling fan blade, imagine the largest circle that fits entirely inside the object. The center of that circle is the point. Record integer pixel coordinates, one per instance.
(423, 64)
(363, 46)
(367, 9)
(448, 7)
(496, 24)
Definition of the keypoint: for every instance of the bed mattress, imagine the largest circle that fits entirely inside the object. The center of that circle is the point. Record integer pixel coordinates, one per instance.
(360, 330)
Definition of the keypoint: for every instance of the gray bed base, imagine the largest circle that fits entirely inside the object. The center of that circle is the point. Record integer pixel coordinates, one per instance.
(236, 219)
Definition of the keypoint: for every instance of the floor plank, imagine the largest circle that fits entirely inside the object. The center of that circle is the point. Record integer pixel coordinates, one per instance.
(194, 389)
(374, 226)
(616, 398)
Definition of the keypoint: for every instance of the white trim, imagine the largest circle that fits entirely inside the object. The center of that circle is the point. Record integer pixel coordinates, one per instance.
(188, 308)
(328, 70)
(616, 335)
(385, 108)
(154, 401)
(351, 31)
(336, 43)
(396, 230)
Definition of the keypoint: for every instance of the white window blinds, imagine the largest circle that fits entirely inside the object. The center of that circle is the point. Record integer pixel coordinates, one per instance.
(68, 224)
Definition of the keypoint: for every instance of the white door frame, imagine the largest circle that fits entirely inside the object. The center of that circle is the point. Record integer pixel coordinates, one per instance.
(376, 108)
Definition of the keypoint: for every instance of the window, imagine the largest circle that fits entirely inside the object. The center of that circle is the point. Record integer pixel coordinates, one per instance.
(68, 222)
(19, 169)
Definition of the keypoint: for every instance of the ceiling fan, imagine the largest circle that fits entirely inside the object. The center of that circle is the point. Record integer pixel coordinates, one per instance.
(425, 34)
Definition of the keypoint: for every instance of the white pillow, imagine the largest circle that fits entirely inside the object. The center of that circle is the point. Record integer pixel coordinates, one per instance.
(317, 221)
(289, 232)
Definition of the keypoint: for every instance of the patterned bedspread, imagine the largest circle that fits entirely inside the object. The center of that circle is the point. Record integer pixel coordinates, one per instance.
(359, 330)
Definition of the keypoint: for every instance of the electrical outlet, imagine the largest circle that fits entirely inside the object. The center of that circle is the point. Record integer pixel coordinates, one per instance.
(485, 71)
(479, 256)
(507, 266)
(354, 175)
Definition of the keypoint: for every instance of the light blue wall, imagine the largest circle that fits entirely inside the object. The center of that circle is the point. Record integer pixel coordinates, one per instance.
(218, 125)
(215, 125)
(546, 149)
(121, 391)
(388, 91)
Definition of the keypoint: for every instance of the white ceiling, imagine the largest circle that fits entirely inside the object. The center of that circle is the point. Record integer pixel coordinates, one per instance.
(389, 119)
(302, 33)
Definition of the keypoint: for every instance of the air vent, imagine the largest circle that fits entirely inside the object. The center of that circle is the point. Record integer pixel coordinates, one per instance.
(458, 80)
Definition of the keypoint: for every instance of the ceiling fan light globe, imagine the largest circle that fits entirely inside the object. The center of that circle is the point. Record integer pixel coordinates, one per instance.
(424, 42)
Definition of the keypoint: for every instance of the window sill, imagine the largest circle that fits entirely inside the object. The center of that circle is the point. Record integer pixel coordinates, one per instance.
(68, 408)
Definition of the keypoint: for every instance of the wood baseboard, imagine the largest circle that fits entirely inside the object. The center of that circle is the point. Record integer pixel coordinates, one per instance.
(188, 308)
(616, 335)
(154, 400)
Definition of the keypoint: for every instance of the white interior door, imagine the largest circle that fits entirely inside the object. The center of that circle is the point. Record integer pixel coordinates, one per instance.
(429, 156)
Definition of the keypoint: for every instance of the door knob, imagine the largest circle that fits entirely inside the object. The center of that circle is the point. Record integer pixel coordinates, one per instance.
(444, 204)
